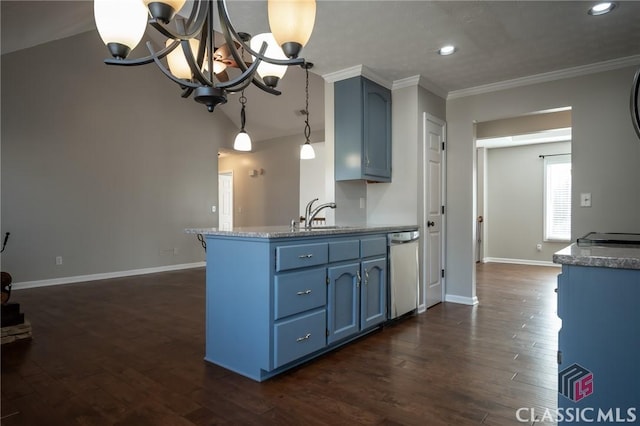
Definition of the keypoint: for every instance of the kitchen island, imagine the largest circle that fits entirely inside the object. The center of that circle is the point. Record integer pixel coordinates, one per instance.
(277, 297)
(599, 342)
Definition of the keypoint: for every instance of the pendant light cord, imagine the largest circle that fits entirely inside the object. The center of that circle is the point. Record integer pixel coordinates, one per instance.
(307, 128)
(243, 101)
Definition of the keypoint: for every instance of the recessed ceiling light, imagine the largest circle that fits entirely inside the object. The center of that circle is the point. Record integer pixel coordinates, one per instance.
(602, 8)
(447, 50)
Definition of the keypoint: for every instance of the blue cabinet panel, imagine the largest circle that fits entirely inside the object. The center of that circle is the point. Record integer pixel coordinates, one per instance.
(373, 303)
(344, 250)
(296, 292)
(343, 301)
(376, 246)
(301, 256)
(362, 121)
(601, 334)
(299, 336)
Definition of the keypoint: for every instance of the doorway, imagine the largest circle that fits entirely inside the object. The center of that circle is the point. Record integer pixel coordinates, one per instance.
(433, 217)
(225, 200)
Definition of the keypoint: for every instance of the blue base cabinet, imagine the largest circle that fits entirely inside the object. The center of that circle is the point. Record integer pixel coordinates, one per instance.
(598, 345)
(274, 304)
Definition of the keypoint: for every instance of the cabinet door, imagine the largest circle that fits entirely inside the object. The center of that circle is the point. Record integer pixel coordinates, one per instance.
(343, 301)
(373, 301)
(377, 131)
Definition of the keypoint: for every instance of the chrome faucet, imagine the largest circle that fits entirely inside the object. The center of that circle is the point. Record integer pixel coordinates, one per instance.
(307, 211)
(312, 214)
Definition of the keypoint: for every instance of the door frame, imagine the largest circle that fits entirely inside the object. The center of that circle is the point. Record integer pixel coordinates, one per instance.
(424, 213)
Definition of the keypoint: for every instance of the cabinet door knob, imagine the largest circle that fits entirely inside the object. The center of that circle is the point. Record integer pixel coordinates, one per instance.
(305, 256)
(430, 224)
(302, 293)
(366, 277)
(359, 279)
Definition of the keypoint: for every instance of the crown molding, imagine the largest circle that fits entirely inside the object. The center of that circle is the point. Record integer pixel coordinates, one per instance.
(547, 77)
(358, 70)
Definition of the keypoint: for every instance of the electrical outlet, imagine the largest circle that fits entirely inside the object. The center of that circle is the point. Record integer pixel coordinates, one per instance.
(58, 260)
(539, 247)
(585, 199)
(213, 209)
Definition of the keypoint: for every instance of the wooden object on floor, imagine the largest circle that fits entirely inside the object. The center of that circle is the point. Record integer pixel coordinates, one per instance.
(129, 351)
(16, 332)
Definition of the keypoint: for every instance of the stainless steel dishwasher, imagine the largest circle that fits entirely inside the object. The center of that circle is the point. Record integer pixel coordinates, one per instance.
(403, 272)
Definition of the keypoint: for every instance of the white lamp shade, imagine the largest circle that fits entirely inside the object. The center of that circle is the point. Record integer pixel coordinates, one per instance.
(242, 142)
(292, 20)
(120, 21)
(178, 63)
(273, 51)
(307, 152)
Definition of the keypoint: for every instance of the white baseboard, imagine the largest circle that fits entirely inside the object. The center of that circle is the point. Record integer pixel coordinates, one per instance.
(519, 261)
(105, 276)
(461, 299)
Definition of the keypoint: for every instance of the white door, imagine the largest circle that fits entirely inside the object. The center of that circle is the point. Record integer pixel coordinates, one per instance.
(433, 217)
(225, 201)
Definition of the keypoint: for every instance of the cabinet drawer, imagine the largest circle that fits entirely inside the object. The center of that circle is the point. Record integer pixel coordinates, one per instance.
(301, 256)
(373, 246)
(299, 291)
(344, 250)
(300, 336)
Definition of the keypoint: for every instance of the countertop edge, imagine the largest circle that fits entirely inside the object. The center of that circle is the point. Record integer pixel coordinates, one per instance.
(286, 232)
(615, 257)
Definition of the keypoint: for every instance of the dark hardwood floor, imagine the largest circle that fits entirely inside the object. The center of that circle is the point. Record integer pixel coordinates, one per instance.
(129, 351)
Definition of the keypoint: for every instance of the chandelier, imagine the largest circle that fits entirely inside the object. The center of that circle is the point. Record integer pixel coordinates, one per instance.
(191, 58)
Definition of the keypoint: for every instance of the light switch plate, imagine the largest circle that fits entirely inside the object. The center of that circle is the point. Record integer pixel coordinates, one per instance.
(585, 199)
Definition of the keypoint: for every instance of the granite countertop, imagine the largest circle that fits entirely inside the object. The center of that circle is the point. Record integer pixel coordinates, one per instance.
(286, 231)
(610, 256)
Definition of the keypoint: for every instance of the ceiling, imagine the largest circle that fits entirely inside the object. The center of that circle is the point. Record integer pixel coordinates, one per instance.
(497, 41)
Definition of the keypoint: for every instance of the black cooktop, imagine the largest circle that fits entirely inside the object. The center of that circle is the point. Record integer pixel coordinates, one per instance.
(605, 238)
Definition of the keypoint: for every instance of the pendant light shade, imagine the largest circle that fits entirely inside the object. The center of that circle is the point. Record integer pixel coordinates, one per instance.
(291, 22)
(121, 24)
(307, 152)
(270, 73)
(242, 142)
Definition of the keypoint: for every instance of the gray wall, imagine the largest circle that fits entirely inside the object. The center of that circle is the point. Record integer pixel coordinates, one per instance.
(514, 210)
(104, 166)
(270, 198)
(605, 158)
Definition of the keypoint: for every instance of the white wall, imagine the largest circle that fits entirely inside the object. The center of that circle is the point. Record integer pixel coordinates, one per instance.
(606, 155)
(104, 166)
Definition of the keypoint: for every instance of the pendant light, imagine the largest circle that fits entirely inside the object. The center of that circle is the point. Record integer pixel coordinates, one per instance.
(307, 152)
(243, 141)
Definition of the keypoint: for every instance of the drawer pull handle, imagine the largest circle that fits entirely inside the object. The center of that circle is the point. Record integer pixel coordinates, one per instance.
(302, 293)
(305, 256)
(302, 339)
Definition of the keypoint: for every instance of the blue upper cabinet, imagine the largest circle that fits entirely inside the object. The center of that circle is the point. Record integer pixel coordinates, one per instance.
(362, 130)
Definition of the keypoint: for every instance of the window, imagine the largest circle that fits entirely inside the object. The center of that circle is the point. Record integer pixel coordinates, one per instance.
(557, 198)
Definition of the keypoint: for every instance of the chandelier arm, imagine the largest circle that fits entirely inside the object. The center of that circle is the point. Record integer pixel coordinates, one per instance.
(146, 60)
(225, 23)
(239, 88)
(165, 71)
(246, 74)
(195, 69)
(195, 23)
(227, 31)
(187, 92)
